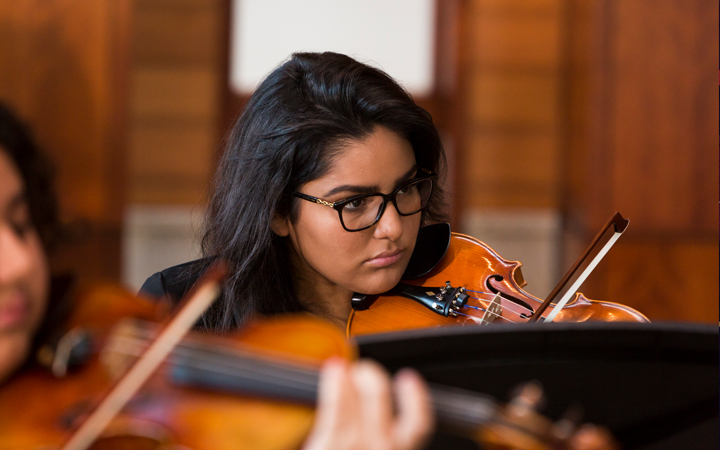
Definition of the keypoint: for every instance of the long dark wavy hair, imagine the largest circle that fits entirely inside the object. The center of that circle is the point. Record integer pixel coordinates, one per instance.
(37, 173)
(285, 137)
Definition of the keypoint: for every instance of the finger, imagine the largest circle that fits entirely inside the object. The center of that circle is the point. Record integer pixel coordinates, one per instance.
(375, 413)
(415, 422)
(590, 437)
(337, 400)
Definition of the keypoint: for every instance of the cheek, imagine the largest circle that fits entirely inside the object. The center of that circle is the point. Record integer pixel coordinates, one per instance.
(331, 250)
(37, 282)
(339, 256)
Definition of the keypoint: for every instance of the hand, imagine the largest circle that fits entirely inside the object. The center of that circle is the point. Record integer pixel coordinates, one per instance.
(355, 409)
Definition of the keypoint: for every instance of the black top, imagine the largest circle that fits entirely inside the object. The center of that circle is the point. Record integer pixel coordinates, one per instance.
(174, 282)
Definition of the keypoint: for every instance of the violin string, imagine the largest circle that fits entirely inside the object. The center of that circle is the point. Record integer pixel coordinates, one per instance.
(504, 307)
(451, 405)
(505, 298)
(481, 309)
(447, 403)
(526, 311)
(204, 357)
(456, 403)
(236, 364)
(474, 317)
(189, 349)
(296, 379)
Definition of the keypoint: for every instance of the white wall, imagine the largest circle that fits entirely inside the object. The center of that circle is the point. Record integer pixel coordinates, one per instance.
(396, 35)
(158, 237)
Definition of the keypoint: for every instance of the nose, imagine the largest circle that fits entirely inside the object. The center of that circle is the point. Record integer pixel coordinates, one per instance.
(15, 258)
(390, 224)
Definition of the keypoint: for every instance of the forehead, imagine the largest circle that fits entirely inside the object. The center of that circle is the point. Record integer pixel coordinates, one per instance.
(11, 184)
(382, 154)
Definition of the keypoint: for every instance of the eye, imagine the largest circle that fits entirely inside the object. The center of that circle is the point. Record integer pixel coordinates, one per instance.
(21, 229)
(20, 221)
(407, 189)
(356, 204)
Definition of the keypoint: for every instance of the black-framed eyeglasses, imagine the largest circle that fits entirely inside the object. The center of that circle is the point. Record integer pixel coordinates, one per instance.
(360, 212)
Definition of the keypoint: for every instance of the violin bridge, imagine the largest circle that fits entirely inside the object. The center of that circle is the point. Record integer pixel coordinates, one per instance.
(493, 310)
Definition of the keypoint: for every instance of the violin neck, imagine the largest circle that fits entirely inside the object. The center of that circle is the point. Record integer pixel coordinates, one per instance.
(225, 370)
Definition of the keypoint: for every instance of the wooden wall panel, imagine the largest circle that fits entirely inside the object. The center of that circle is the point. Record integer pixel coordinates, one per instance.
(519, 40)
(674, 279)
(596, 106)
(177, 77)
(167, 93)
(171, 34)
(63, 66)
(666, 113)
(504, 99)
(511, 170)
(526, 7)
(644, 140)
(513, 108)
(185, 169)
(170, 147)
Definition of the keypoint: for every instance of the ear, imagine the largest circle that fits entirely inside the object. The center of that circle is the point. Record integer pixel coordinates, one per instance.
(280, 225)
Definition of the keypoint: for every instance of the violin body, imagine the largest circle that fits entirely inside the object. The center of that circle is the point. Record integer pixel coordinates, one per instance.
(472, 264)
(39, 410)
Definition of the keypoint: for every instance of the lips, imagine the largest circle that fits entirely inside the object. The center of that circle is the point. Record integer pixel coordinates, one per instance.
(385, 258)
(13, 310)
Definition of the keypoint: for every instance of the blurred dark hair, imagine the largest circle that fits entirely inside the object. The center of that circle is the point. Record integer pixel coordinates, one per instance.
(37, 173)
(293, 124)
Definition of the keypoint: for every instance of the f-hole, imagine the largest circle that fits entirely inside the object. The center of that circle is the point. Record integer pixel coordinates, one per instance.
(490, 284)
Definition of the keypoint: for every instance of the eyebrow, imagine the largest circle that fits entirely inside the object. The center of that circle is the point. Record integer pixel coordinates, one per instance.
(370, 189)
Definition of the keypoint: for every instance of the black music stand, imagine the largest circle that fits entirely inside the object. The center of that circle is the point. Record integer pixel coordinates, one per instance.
(654, 385)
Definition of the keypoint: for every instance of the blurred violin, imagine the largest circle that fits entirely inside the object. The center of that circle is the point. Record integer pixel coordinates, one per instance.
(454, 279)
(108, 389)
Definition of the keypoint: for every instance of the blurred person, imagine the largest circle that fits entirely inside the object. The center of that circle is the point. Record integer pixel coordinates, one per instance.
(28, 228)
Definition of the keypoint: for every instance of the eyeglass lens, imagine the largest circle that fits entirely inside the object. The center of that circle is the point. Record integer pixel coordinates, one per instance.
(363, 212)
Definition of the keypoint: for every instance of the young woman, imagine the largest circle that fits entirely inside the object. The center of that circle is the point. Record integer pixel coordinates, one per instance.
(327, 177)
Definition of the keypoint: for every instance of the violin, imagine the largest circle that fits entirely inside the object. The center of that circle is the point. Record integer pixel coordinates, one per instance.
(252, 389)
(473, 285)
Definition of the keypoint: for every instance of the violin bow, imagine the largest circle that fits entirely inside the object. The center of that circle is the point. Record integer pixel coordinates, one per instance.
(189, 311)
(582, 268)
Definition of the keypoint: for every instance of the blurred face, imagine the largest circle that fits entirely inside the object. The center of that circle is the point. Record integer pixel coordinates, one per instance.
(334, 262)
(24, 276)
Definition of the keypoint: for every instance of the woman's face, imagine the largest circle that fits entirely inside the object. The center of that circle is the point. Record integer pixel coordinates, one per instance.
(370, 261)
(24, 275)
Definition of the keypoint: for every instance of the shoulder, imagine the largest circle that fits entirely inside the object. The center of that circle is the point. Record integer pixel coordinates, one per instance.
(175, 281)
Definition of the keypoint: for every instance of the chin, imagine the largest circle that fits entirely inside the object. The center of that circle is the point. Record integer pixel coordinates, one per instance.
(13, 351)
(381, 282)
